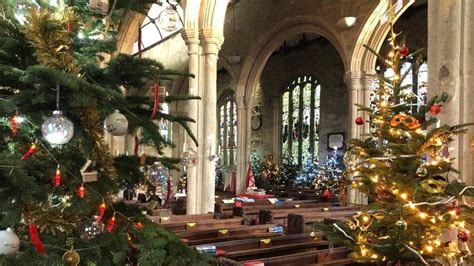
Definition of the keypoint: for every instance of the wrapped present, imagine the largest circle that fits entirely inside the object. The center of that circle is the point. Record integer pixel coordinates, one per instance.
(206, 249)
(276, 229)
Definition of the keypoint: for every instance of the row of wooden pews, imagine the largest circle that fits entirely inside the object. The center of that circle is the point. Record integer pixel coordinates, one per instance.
(262, 232)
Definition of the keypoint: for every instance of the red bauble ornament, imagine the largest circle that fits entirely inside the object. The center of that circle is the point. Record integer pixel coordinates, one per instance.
(463, 236)
(327, 194)
(359, 121)
(404, 51)
(435, 109)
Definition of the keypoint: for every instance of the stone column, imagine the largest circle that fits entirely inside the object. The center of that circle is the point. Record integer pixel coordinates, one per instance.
(193, 199)
(450, 57)
(210, 44)
(244, 115)
(276, 128)
(359, 84)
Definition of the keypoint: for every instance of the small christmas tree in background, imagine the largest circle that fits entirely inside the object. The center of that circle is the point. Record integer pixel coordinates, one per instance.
(256, 162)
(308, 173)
(416, 212)
(287, 174)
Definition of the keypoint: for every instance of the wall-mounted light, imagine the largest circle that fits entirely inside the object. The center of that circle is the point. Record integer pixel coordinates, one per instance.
(346, 23)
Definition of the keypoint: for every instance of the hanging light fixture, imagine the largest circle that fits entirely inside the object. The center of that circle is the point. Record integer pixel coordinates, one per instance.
(346, 23)
(234, 59)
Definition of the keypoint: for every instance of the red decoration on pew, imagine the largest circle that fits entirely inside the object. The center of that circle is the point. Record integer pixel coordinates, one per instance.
(238, 204)
(250, 178)
(327, 195)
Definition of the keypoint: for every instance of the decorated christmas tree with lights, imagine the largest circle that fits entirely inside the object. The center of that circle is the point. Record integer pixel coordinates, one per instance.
(416, 212)
(58, 179)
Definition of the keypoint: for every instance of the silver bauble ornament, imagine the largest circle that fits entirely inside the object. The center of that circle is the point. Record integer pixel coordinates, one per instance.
(168, 19)
(189, 158)
(422, 171)
(57, 129)
(401, 224)
(92, 228)
(116, 124)
(157, 175)
(22, 8)
(9, 242)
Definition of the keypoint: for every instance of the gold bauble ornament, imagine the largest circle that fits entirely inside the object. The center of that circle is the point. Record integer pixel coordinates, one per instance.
(71, 257)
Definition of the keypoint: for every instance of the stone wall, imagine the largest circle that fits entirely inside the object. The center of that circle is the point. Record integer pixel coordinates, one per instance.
(320, 60)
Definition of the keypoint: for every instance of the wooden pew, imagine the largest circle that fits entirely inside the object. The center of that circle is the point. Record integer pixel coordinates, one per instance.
(250, 249)
(252, 212)
(202, 224)
(301, 222)
(181, 218)
(205, 236)
(280, 216)
(336, 256)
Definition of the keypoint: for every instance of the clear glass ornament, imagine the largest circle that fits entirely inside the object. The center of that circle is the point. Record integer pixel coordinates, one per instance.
(168, 19)
(116, 124)
(22, 8)
(157, 175)
(189, 158)
(92, 228)
(57, 129)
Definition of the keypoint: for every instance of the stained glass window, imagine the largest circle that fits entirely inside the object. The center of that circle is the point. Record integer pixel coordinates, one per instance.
(227, 130)
(300, 119)
(416, 77)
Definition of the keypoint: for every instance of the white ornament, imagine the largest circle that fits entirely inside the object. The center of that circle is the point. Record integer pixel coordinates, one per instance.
(116, 124)
(9, 242)
(57, 129)
(168, 19)
(157, 175)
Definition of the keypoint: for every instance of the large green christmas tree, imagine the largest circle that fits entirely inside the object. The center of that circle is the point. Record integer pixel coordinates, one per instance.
(42, 193)
(416, 213)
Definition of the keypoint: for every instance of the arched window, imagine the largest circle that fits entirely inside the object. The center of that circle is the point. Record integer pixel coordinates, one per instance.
(300, 119)
(227, 129)
(417, 77)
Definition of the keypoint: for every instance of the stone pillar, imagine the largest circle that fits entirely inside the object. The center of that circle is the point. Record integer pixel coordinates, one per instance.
(276, 128)
(359, 84)
(244, 114)
(450, 57)
(210, 42)
(193, 199)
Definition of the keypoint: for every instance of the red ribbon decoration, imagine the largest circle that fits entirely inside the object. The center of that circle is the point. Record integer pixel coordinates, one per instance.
(156, 96)
(35, 237)
(111, 224)
(168, 193)
(69, 27)
(135, 148)
(102, 208)
(33, 148)
(57, 177)
(139, 42)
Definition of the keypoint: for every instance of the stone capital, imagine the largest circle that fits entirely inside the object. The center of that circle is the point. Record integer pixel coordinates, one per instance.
(211, 40)
(356, 80)
(190, 36)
